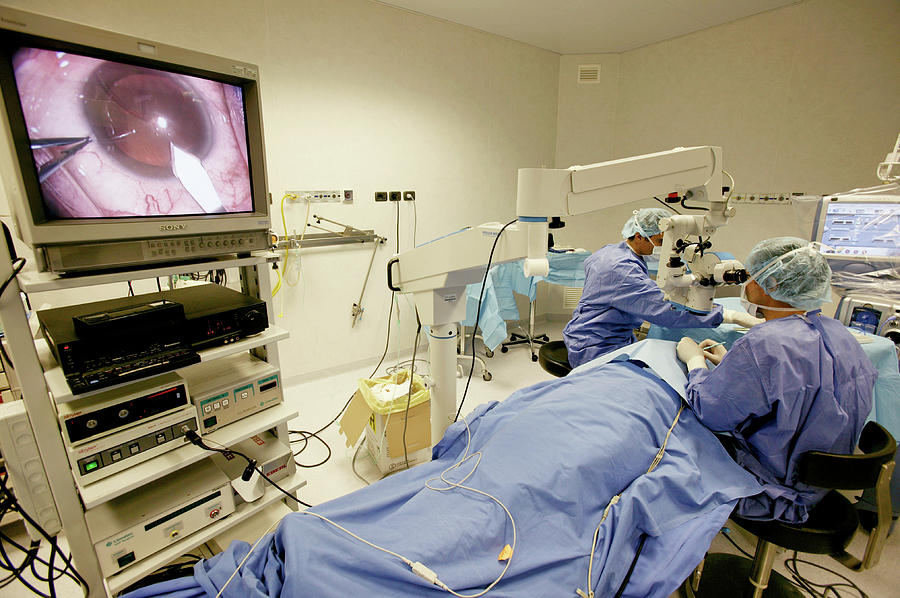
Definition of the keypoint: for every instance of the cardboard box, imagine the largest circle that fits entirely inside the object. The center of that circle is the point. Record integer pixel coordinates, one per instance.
(384, 432)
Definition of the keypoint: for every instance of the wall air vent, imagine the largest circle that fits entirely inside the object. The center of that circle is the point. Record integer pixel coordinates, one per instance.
(571, 295)
(588, 73)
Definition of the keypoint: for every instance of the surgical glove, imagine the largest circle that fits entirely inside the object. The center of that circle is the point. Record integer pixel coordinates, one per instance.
(713, 351)
(741, 318)
(690, 353)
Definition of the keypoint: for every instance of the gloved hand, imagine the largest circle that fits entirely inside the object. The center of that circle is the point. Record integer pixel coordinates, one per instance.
(716, 353)
(741, 318)
(690, 353)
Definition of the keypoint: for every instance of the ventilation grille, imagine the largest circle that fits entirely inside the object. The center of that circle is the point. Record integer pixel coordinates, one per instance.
(588, 73)
(571, 295)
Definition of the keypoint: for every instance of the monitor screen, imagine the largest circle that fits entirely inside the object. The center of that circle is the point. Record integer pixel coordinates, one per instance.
(117, 151)
(861, 229)
(111, 139)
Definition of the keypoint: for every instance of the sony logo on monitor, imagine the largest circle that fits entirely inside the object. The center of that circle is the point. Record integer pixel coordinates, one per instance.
(170, 135)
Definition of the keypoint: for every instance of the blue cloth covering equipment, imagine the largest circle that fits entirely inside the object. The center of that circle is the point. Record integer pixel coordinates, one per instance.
(499, 302)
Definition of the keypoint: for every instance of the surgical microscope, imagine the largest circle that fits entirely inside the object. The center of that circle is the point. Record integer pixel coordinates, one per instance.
(437, 273)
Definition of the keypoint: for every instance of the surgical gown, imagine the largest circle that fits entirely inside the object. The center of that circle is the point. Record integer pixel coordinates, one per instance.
(791, 385)
(618, 296)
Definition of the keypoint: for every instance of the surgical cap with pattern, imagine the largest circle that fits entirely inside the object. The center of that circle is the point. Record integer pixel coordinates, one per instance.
(791, 270)
(644, 221)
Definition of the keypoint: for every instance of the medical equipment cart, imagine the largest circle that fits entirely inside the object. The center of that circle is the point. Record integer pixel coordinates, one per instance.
(44, 386)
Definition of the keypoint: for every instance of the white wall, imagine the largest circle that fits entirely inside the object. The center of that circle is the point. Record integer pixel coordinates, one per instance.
(357, 95)
(801, 99)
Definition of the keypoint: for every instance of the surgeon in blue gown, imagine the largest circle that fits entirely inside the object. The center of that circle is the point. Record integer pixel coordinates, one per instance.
(797, 382)
(619, 295)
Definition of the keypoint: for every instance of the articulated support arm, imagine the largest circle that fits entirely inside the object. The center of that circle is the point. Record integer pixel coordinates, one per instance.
(438, 272)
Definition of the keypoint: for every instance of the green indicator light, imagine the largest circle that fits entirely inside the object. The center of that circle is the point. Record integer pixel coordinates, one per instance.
(91, 466)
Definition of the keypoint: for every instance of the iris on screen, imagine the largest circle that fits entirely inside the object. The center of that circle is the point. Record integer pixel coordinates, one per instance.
(102, 134)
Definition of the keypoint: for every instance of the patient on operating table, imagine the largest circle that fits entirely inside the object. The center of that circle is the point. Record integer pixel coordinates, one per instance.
(796, 383)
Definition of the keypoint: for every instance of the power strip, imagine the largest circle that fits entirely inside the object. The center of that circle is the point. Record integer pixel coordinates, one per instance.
(764, 198)
(26, 470)
(322, 196)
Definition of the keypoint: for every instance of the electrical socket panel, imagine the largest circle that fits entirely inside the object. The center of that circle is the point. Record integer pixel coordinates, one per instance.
(26, 469)
(322, 196)
(763, 198)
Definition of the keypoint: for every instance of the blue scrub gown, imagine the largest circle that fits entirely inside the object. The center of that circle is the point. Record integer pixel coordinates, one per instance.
(618, 296)
(791, 385)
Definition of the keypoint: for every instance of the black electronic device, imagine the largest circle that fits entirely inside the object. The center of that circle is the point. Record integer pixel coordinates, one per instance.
(104, 343)
(131, 319)
(217, 315)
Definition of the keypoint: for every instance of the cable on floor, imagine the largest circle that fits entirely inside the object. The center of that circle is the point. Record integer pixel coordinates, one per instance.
(804, 584)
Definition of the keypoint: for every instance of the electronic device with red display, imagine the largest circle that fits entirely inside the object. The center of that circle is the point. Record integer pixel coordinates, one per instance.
(119, 428)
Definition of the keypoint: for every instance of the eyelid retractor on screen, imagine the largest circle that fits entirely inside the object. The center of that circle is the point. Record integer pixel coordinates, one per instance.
(188, 169)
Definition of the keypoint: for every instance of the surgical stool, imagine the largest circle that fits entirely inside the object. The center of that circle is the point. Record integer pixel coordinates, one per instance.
(829, 529)
(554, 358)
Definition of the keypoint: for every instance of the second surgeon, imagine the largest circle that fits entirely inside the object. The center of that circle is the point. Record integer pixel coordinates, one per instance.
(619, 295)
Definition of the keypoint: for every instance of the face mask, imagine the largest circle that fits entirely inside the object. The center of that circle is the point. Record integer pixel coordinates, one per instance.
(751, 308)
(657, 251)
(755, 309)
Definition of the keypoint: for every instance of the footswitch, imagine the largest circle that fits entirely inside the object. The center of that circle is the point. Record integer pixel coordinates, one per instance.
(273, 457)
(136, 525)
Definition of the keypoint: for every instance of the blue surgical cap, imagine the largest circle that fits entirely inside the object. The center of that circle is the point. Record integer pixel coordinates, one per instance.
(644, 221)
(791, 270)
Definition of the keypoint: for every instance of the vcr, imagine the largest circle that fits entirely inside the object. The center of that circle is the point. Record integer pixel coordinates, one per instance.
(104, 343)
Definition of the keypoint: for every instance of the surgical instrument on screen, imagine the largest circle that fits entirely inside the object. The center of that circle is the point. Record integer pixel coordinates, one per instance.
(188, 169)
(73, 145)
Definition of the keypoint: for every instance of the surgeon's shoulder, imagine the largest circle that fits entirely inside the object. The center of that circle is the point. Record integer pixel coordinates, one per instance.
(838, 333)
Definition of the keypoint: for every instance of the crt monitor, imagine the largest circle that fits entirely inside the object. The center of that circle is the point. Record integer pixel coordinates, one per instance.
(118, 151)
(860, 232)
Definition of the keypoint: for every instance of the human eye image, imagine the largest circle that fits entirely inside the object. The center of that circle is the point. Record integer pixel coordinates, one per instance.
(117, 140)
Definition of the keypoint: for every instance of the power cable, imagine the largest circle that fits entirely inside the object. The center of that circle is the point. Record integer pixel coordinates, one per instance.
(305, 440)
(196, 440)
(409, 392)
(487, 271)
(387, 343)
(667, 205)
(17, 266)
(805, 585)
(8, 502)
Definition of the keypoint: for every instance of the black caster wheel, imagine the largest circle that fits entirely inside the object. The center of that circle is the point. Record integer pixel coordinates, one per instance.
(533, 357)
(487, 376)
(544, 338)
(504, 349)
(488, 353)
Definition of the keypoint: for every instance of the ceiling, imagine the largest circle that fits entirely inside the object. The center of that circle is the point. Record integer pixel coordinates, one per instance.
(589, 26)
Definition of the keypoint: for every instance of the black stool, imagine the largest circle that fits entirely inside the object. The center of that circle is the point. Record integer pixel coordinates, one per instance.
(554, 358)
(828, 530)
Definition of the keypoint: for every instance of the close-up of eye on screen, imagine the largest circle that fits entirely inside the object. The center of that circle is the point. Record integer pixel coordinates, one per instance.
(116, 140)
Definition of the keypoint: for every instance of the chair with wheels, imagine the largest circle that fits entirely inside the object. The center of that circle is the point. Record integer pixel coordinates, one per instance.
(829, 529)
(554, 358)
